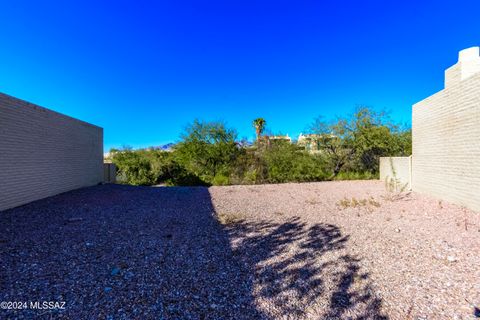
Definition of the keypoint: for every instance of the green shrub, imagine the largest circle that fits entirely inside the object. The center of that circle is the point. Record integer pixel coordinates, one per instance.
(151, 167)
(208, 150)
(286, 163)
(134, 167)
(220, 180)
(355, 175)
(251, 177)
(181, 177)
(209, 154)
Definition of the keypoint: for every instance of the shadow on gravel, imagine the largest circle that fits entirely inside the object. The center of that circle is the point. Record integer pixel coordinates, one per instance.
(123, 252)
(292, 271)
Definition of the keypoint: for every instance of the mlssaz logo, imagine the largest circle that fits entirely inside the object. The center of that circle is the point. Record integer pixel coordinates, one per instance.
(48, 305)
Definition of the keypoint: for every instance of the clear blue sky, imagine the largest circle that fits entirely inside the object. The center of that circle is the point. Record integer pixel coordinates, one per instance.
(143, 69)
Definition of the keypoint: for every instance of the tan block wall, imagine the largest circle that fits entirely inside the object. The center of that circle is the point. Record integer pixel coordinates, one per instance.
(43, 153)
(446, 144)
(461, 71)
(453, 75)
(402, 167)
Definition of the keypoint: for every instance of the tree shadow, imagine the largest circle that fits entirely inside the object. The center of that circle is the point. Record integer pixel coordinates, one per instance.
(303, 271)
(122, 252)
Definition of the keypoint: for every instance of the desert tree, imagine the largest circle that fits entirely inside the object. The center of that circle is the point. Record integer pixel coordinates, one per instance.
(357, 141)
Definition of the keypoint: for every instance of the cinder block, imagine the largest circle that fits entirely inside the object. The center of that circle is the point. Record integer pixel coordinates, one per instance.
(446, 138)
(44, 153)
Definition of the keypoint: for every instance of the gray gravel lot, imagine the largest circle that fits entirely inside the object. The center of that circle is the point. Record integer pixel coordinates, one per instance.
(289, 251)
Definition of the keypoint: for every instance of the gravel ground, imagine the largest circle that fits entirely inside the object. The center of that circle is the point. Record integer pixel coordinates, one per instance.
(289, 251)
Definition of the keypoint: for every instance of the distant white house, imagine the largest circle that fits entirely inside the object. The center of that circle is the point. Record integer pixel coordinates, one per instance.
(279, 138)
(309, 141)
(312, 141)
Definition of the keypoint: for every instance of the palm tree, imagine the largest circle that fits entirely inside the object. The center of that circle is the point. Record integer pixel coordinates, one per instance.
(259, 125)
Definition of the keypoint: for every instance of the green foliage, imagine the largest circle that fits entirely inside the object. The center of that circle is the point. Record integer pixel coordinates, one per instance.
(355, 143)
(208, 150)
(220, 180)
(151, 167)
(356, 175)
(209, 154)
(133, 166)
(285, 163)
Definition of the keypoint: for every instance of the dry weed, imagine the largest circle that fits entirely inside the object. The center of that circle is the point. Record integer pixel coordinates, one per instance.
(230, 218)
(369, 204)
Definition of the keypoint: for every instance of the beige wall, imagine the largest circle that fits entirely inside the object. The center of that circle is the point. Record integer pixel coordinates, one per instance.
(446, 139)
(402, 167)
(43, 153)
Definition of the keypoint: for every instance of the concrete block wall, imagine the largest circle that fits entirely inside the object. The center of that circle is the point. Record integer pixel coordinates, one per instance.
(468, 65)
(398, 168)
(109, 172)
(44, 153)
(446, 139)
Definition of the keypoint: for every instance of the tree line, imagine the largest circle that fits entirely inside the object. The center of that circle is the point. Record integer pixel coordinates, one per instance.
(210, 153)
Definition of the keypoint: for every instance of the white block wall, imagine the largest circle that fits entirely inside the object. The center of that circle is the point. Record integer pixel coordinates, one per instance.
(397, 168)
(43, 153)
(446, 140)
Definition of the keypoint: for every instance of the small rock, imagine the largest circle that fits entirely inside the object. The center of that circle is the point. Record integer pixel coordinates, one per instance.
(397, 229)
(452, 259)
(107, 289)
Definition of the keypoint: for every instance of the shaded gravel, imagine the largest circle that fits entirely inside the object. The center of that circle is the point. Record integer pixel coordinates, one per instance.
(286, 251)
